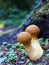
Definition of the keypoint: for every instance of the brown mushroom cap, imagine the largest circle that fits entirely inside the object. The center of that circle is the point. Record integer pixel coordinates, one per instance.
(24, 37)
(33, 29)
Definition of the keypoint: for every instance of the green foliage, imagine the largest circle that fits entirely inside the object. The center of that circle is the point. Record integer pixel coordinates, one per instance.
(21, 4)
(11, 57)
(30, 64)
(47, 55)
(2, 4)
(42, 42)
(15, 11)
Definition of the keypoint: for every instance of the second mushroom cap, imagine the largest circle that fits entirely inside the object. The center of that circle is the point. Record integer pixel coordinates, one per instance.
(33, 29)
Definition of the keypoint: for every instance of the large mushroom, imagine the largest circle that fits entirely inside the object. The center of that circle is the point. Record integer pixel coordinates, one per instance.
(36, 47)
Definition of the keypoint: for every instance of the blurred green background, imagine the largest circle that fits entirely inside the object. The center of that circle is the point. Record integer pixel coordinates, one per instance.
(13, 12)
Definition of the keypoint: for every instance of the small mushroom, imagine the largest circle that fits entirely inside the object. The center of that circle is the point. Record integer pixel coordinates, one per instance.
(25, 38)
(36, 51)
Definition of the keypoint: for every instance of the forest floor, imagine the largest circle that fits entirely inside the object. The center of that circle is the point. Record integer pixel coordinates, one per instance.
(13, 53)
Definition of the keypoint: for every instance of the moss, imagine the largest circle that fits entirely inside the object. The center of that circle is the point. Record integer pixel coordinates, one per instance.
(44, 9)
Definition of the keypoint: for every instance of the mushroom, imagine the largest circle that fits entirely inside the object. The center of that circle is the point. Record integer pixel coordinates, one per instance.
(25, 38)
(33, 53)
(36, 51)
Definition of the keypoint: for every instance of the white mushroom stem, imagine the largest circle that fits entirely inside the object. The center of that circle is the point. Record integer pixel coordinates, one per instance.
(38, 51)
(34, 50)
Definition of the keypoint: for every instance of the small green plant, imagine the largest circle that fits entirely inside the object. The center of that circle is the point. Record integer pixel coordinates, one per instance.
(11, 57)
